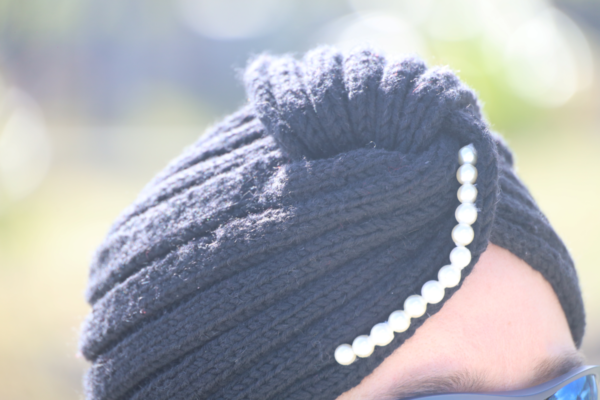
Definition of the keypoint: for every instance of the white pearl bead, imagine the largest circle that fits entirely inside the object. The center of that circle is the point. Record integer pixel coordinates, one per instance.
(462, 234)
(466, 173)
(399, 321)
(467, 155)
(432, 292)
(363, 346)
(467, 193)
(344, 354)
(449, 276)
(382, 334)
(460, 257)
(415, 306)
(466, 213)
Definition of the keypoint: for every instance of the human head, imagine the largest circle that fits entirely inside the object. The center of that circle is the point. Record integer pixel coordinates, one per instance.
(296, 224)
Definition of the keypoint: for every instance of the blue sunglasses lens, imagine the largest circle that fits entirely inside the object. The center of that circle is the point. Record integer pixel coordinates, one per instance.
(584, 388)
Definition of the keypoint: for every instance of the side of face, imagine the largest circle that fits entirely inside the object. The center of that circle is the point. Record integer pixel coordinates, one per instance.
(503, 330)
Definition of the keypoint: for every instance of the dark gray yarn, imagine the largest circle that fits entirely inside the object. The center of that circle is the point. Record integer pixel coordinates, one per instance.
(296, 224)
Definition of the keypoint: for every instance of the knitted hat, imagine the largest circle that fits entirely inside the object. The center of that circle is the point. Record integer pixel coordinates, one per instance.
(295, 225)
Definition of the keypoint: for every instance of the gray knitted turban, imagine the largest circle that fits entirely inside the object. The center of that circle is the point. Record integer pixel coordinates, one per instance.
(296, 224)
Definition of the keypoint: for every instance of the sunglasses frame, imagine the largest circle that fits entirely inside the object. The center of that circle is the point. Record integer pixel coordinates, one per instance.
(539, 392)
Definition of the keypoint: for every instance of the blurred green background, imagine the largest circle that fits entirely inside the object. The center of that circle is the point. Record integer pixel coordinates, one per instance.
(97, 95)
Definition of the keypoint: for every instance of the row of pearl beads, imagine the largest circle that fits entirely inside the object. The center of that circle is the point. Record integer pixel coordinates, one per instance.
(466, 213)
(432, 291)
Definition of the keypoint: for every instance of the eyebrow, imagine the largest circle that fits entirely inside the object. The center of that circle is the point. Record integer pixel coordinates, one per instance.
(467, 381)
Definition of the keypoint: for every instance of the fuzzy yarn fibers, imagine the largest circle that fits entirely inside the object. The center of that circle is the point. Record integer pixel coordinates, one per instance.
(296, 224)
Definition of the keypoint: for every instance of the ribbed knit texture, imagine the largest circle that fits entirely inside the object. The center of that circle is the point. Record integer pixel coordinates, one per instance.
(296, 224)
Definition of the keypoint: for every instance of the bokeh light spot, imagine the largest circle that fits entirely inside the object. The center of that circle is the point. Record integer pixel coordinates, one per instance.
(234, 19)
(24, 148)
(389, 33)
(548, 59)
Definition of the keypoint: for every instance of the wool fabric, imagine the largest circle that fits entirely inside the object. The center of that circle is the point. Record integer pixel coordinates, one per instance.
(297, 223)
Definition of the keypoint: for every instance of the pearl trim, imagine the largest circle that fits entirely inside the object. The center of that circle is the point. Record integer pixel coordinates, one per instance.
(449, 276)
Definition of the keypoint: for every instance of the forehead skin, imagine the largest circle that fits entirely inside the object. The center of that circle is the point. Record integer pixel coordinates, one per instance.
(500, 325)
